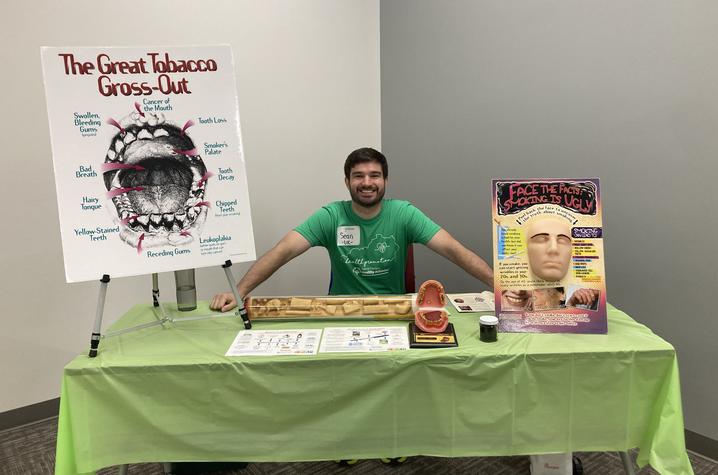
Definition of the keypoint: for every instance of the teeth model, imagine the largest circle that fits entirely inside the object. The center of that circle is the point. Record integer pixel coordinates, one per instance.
(156, 186)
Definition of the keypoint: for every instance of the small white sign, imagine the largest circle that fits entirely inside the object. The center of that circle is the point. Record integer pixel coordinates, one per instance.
(481, 302)
(275, 342)
(348, 236)
(367, 339)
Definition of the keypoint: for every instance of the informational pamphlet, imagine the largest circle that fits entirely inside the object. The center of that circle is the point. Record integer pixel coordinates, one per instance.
(548, 256)
(476, 302)
(275, 342)
(364, 339)
(147, 152)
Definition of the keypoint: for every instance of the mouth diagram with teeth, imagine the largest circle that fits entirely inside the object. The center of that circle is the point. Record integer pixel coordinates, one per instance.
(156, 181)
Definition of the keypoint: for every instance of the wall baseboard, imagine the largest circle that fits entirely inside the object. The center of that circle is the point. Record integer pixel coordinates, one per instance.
(42, 410)
(28, 414)
(701, 444)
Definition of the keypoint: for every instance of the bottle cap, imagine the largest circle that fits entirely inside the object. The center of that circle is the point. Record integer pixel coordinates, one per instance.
(488, 320)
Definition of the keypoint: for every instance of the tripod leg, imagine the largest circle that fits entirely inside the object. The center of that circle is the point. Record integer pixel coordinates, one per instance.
(155, 290)
(95, 338)
(241, 310)
(627, 463)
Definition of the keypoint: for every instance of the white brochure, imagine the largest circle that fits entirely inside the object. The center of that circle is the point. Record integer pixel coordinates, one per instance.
(478, 302)
(275, 342)
(362, 339)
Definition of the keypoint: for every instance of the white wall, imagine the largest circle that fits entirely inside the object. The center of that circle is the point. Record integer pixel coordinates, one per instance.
(623, 90)
(308, 80)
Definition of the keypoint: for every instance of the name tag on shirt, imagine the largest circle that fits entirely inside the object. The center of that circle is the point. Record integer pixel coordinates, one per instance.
(348, 236)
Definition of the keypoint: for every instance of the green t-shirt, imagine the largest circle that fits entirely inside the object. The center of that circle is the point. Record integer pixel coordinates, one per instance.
(368, 256)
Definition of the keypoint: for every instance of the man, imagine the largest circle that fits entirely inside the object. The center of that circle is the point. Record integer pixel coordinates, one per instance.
(366, 238)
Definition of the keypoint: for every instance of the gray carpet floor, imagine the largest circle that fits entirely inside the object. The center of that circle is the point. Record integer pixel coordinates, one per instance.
(30, 450)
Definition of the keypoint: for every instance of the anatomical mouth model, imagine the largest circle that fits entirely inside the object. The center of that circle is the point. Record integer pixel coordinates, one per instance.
(431, 316)
(156, 181)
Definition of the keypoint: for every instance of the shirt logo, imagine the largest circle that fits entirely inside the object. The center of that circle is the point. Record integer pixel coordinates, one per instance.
(375, 259)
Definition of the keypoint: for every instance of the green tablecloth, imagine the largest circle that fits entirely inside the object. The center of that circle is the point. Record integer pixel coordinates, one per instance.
(170, 394)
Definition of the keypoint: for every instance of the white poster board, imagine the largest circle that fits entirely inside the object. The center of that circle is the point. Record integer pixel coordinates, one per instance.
(148, 160)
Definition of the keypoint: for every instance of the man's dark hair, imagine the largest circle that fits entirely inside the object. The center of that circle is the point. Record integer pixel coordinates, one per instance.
(363, 155)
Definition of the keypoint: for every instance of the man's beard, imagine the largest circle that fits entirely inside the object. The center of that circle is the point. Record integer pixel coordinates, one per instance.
(356, 198)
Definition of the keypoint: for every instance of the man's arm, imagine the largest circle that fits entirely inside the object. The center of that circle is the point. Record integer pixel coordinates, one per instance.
(444, 244)
(289, 247)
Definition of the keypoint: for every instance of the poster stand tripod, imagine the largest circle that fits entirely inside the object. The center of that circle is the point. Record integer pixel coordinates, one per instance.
(161, 316)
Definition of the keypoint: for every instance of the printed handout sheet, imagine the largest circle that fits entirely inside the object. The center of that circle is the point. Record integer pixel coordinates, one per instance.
(473, 302)
(275, 342)
(364, 339)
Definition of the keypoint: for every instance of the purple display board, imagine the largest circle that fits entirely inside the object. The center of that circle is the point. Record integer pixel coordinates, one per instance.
(548, 255)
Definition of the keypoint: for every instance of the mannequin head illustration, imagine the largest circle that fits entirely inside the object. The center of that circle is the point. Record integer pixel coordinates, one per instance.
(548, 242)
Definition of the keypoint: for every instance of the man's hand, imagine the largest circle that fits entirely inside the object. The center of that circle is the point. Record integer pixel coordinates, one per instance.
(223, 302)
(583, 297)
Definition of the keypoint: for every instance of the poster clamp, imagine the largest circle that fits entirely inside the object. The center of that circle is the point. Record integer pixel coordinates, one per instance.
(162, 318)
